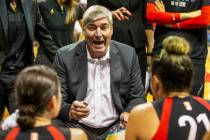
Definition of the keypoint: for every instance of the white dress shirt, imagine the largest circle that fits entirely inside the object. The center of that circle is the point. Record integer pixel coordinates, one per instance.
(99, 98)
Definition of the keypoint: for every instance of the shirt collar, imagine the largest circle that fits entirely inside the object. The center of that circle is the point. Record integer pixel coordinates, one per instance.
(104, 58)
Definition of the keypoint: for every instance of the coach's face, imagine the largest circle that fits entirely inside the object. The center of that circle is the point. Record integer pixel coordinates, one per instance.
(98, 35)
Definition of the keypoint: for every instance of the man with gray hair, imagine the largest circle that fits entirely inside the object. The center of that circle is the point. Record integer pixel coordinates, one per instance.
(100, 78)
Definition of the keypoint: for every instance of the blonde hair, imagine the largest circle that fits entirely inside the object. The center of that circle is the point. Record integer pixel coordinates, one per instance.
(71, 12)
(173, 65)
(174, 45)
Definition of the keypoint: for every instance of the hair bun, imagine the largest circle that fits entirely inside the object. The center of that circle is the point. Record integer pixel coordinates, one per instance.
(176, 45)
(26, 118)
(173, 66)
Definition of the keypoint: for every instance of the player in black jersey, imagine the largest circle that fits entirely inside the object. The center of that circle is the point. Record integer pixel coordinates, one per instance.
(37, 92)
(176, 115)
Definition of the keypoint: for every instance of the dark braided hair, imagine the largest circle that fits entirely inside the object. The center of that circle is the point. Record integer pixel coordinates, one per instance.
(34, 88)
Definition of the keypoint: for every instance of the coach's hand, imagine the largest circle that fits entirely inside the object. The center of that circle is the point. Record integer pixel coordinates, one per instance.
(79, 110)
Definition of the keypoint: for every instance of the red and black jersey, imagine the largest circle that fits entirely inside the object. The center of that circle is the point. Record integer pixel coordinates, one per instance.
(194, 30)
(182, 118)
(38, 133)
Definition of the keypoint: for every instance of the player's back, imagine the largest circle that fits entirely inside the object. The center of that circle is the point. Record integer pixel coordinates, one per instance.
(49, 132)
(182, 118)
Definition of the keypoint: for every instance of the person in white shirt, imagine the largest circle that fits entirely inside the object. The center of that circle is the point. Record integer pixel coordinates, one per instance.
(100, 78)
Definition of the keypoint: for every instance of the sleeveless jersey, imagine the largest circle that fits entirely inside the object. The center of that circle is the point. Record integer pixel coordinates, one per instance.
(182, 118)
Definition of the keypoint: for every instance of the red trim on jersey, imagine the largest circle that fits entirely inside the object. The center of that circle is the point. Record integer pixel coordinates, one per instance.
(56, 134)
(160, 17)
(162, 132)
(13, 134)
(203, 102)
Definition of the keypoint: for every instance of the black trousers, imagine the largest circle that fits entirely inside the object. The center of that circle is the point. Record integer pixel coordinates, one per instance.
(198, 78)
(7, 80)
(92, 133)
(141, 53)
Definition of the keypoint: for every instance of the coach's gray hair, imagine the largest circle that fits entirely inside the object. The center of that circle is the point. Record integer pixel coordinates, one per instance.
(96, 12)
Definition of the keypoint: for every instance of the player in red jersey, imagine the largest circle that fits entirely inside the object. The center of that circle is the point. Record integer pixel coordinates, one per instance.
(176, 115)
(38, 96)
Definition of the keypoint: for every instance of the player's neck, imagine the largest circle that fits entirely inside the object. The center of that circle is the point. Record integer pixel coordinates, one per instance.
(179, 94)
(42, 121)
